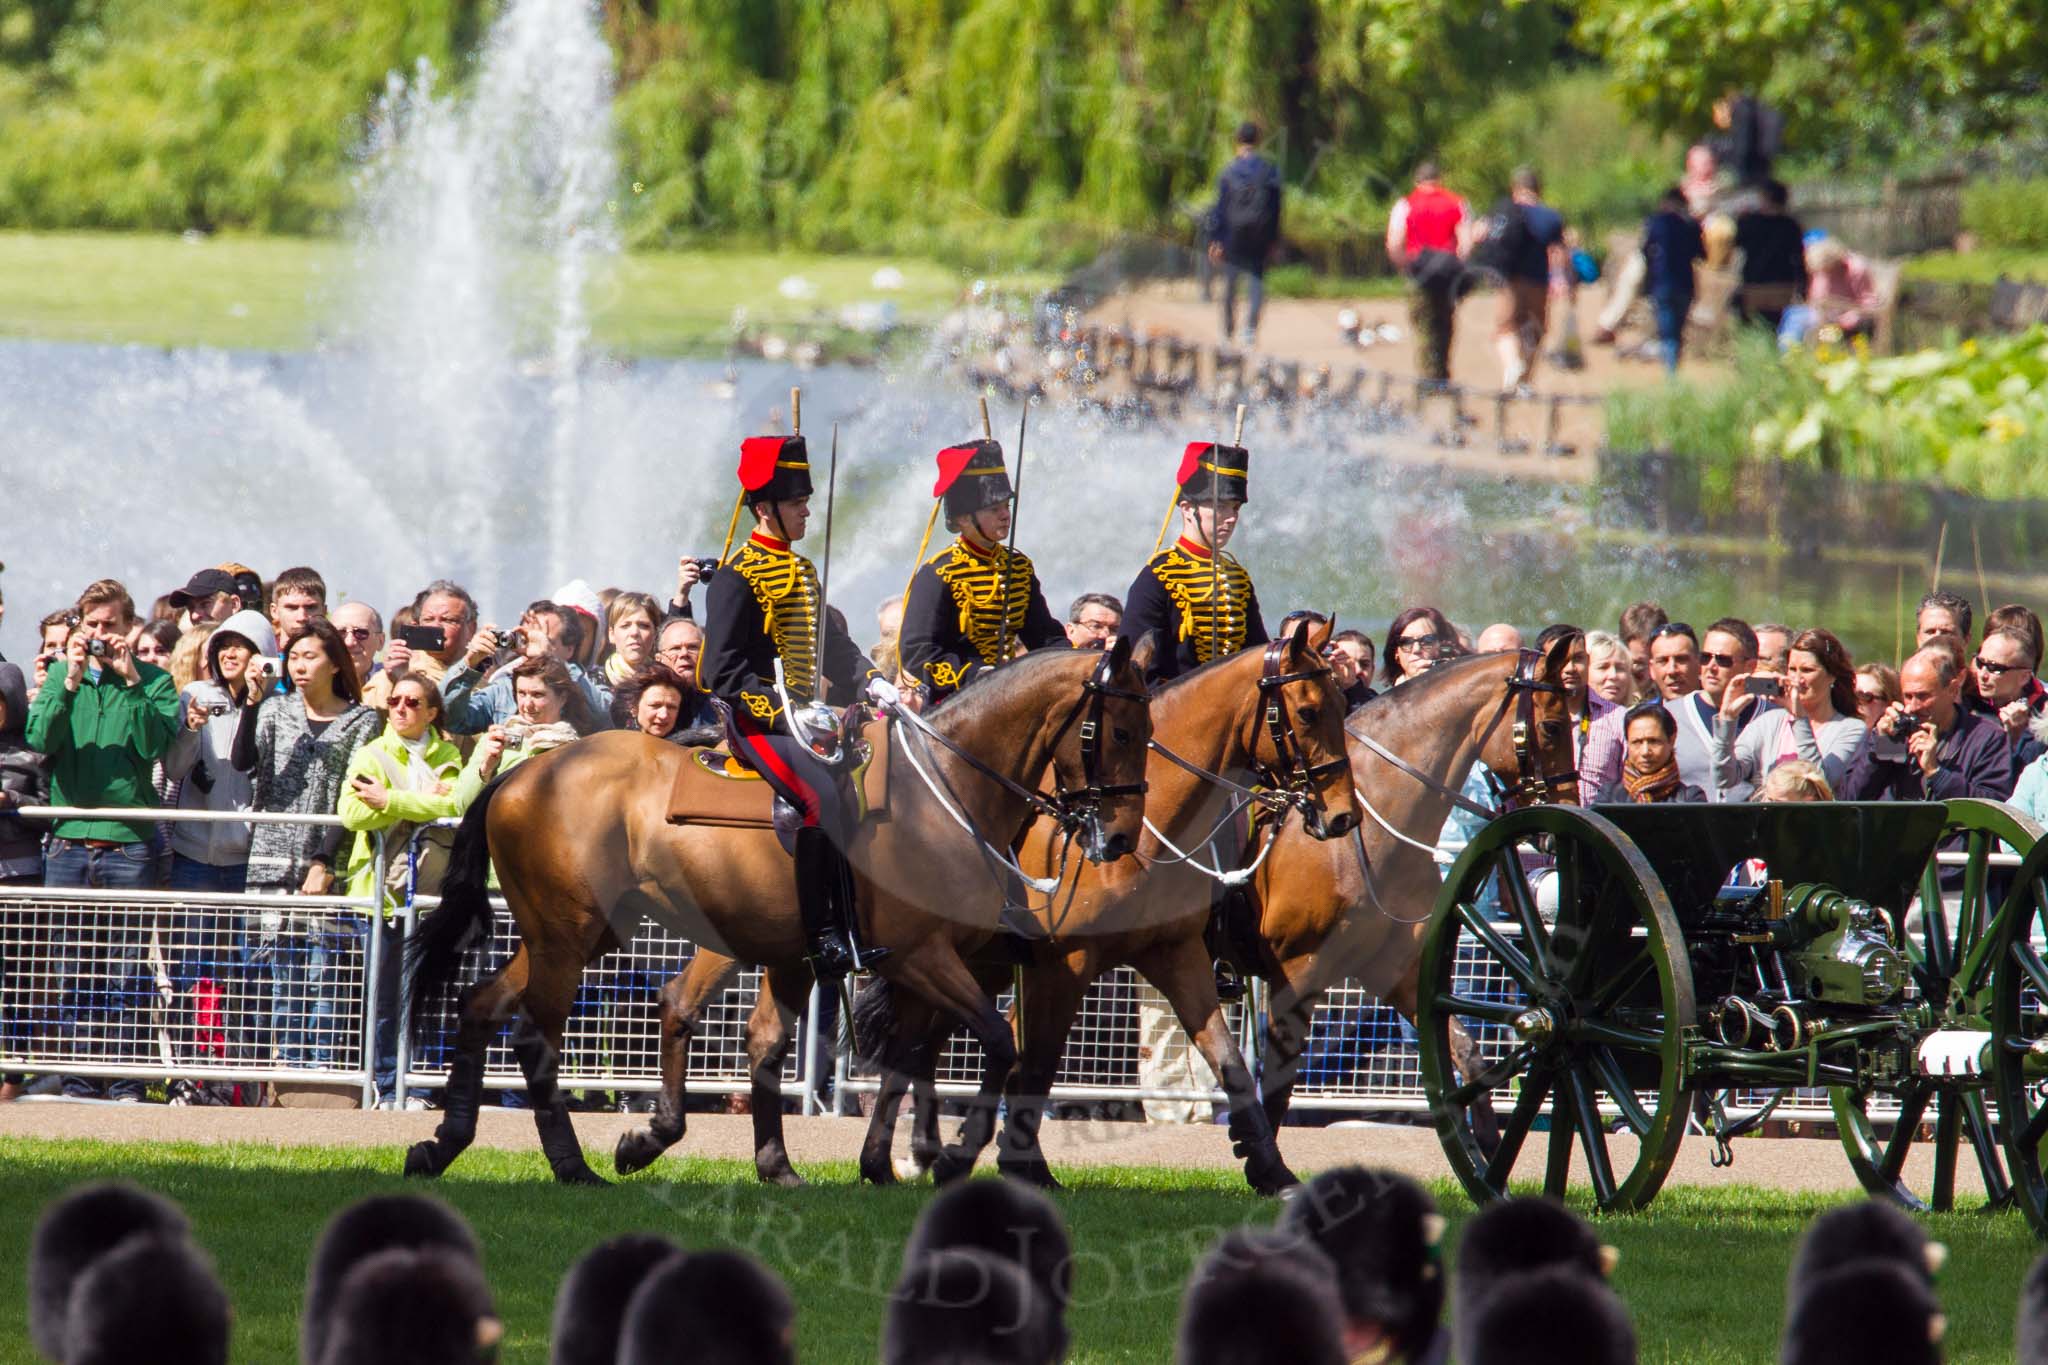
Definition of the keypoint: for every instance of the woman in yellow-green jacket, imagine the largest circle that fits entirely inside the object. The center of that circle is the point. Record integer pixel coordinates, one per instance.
(405, 778)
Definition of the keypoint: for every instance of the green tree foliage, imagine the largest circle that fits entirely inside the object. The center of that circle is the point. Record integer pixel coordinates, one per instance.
(1848, 73)
(1013, 129)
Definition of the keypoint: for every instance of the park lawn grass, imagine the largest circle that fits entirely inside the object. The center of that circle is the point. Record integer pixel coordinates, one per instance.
(1703, 1271)
(290, 293)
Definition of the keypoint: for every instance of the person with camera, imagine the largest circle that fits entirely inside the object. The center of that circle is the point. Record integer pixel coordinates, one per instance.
(209, 856)
(103, 719)
(52, 632)
(1926, 747)
(296, 747)
(690, 571)
(2009, 693)
(1816, 720)
(682, 650)
(545, 631)
(444, 622)
(399, 783)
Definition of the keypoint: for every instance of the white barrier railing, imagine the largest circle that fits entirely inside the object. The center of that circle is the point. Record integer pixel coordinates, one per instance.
(252, 986)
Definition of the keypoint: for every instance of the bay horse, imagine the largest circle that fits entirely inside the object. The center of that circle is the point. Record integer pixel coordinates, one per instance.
(1260, 731)
(1328, 916)
(583, 849)
(1329, 909)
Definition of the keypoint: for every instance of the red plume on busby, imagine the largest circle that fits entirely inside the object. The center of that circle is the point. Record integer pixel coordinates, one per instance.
(775, 468)
(1210, 469)
(972, 477)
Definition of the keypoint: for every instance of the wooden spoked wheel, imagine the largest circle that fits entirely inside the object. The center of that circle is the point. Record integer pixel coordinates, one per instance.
(2019, 1033)
(1953, 953)
(1575, 1017)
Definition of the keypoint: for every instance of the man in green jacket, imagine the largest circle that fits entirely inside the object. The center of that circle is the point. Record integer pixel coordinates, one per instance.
(102, 718)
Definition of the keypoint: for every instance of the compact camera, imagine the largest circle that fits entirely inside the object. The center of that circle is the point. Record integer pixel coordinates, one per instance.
(706, 568)
(1906, 724)
(95, 649)
(516, 735)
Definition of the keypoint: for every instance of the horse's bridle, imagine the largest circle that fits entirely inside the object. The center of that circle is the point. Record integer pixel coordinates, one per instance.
(1290, 781)
(1532, 785)
(1069, 807)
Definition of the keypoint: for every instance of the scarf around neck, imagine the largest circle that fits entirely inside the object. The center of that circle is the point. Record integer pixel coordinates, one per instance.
(1655, 785)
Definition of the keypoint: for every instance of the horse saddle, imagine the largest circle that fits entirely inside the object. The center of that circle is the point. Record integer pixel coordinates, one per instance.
(714, 788)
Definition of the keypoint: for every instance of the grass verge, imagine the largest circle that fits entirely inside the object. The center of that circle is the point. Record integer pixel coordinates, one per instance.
(1703, 1271)
(1983, 266)
(284, 293)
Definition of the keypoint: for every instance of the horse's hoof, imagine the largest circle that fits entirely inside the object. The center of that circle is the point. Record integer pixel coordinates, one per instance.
(422, 1161)
(784, 1176)
(1031, 1173)
(951, 1166)
(636, 1151)
(1267, 1173)
(579, 1174)
(877, 1171)
(910, 1170)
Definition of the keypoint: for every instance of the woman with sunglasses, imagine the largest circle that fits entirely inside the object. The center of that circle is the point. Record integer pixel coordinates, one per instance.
(1418, 640)
(398, 784)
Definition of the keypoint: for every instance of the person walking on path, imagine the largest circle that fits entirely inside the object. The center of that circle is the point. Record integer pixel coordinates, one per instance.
(1243, 226)
(1672, 246)
(1427, 237)
(1525, 243)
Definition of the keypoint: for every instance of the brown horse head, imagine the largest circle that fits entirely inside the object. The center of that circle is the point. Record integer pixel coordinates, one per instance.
(1529, 741)
(1300, 742)
(1095, 723)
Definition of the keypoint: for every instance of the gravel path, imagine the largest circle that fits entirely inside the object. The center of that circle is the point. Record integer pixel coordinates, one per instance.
(1798, 1164)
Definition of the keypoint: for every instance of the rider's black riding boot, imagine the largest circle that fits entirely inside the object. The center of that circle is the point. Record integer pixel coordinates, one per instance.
(824, 897)
(1222, 938)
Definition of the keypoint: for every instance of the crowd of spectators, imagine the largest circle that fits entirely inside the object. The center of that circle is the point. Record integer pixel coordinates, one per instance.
(275, 700)
(1357, 1267)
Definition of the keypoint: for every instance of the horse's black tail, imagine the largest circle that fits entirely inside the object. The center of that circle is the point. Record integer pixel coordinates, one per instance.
(874, 1020)
(435, 953)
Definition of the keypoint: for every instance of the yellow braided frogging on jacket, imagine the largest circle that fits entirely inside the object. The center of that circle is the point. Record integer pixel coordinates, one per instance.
(979, 583)
(1187, 581)
(785, 585)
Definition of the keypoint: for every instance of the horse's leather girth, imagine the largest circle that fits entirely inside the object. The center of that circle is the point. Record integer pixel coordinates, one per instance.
(712, 788)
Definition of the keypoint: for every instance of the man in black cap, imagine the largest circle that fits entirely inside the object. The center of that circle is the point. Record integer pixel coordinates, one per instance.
(1193, 592)
(1873, 1310)
(968, 1304)
(211, 597)
(1517, 1237)
(413, 1306)
(1009, 1220)
(1552, 1316)
(763, 610)
(709, 1308)
(973, 601)
(1259, 1298)
(78, 1228)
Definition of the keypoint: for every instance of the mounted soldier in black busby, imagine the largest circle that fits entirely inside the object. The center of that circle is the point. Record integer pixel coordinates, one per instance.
(1193, 592)
(769, 650)
(969, 605)
(1202, 603)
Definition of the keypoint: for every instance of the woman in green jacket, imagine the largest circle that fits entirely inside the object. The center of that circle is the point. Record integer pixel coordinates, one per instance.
(400, 782)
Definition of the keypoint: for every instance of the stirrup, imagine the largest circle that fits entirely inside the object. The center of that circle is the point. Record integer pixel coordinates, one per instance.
(1229, 985)
(831, 957)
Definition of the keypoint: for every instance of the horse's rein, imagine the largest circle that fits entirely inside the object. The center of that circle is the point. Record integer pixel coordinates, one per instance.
(1297, 787)
(1533, 784)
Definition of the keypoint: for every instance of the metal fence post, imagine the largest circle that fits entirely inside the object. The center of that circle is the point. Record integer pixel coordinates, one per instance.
(373, 963)
(810, 1045)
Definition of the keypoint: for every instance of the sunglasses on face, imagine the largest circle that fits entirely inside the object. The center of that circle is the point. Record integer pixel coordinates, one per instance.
(1985, 665)
(1415, 642)
(1720, 660)
(353, 632)
(1872, 699)
(406, 703)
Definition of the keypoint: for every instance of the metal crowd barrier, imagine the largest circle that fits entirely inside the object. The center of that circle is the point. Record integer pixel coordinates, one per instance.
(269, 988)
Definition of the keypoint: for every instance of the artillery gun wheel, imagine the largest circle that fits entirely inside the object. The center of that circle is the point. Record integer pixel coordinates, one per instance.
(1952, 956)
(2019, 1032)
(1581, 1013)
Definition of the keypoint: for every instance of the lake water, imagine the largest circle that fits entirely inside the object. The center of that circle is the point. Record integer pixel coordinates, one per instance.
(146, 464)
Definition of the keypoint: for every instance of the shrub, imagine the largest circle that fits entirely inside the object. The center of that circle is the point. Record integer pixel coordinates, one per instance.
(2007, 213)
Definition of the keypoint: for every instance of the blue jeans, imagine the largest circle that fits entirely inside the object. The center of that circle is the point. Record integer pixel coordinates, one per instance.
(208, 944)
(304, 958)
(1671, 313)
(1255, 296)
(104, 1012)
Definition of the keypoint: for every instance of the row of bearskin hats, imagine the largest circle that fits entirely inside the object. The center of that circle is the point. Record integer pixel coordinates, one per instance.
(972, 475)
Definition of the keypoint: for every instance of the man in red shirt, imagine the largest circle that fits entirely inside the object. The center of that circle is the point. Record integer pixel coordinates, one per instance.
(1427, 239)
